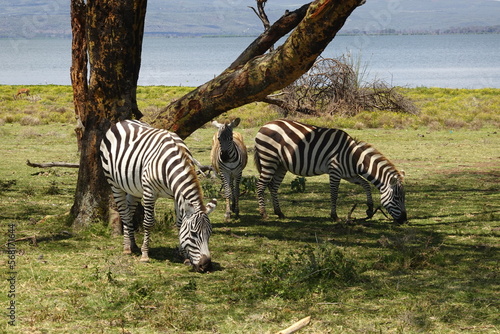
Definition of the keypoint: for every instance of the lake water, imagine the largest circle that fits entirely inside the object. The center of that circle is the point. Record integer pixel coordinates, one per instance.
(452, 61)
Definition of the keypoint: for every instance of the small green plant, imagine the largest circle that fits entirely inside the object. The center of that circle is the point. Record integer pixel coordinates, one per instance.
(248, 184)
(312, 268)
(7, 184)
(298, 184)
(411, 251)
(29, 191)
(190, 285)
(53, 189)
(210, 188)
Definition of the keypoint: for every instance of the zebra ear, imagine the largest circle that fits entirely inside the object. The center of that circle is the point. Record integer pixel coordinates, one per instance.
(216, 124)
(235, 122)
(402, 172)
(210, 206)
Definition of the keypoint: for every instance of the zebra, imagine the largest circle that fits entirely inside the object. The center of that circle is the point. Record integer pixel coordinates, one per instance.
(229, 157)
(306, 150)
(140, 161)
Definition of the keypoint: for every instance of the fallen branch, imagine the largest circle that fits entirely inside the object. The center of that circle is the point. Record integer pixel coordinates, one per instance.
(380, 209)
(32, 239)
(53, 164)
(296, 326)
(350, 212)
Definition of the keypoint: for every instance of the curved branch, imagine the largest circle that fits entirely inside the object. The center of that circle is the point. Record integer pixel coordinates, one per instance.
(261, 75)
(269, 37)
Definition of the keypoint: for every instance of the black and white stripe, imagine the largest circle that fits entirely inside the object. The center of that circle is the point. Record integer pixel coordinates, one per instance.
(229, 158)
(143, 162)
(306, 150)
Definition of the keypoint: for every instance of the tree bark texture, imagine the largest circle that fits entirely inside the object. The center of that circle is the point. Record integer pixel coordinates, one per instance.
(261, 75)
(270, 36)
(110, 32)
(78, 70)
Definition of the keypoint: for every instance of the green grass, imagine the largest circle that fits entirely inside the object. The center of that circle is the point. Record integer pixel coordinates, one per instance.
(437, 274)
(440, 108)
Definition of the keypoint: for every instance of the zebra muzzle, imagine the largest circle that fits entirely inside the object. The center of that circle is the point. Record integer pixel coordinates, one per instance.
(204, 265)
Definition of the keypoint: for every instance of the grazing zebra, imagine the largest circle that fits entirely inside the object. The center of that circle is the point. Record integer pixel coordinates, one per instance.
(141, 161)
(229, 158)
(306, 150)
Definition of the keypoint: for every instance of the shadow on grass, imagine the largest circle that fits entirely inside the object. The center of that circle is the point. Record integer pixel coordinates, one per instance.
(54, 237)
(172, 255)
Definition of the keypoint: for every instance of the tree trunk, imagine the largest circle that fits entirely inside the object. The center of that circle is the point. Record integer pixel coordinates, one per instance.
(262, 75)
(78, 71)
(113, 31)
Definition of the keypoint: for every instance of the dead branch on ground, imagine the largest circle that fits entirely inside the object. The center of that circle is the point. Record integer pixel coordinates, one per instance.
(52, 164)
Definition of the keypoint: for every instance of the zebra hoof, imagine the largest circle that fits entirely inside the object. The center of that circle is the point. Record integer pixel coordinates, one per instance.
(144, 259)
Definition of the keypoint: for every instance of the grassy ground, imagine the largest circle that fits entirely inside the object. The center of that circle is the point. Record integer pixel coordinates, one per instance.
(439, 273)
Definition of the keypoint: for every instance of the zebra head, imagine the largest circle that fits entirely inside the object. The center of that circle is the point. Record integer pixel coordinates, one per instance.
(225, 136)
(194, 234)
(393, 199)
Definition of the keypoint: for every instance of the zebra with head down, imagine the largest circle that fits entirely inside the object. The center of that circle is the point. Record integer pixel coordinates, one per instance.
(140, 161)
(306, 150)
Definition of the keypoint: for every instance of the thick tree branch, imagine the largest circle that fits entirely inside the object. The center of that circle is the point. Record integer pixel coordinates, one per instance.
(261, 75)
(267, 39)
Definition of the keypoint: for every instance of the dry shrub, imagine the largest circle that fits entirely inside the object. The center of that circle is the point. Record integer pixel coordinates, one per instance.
(29, 120)
(334, 87)
(29, 133)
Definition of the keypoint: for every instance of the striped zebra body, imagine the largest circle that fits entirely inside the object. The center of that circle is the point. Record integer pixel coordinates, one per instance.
(143, 162)
(306, 150)
(229, 158)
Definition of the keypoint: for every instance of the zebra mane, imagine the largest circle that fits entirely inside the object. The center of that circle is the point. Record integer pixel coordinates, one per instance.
(214, 152)
(372, 151)
(190, 169)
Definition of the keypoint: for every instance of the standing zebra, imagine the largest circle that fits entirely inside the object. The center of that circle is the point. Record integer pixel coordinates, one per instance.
(229, 158)
(141, 161)
(306, 150)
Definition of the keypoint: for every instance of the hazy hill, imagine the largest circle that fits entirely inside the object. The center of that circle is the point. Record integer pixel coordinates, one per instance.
(35, 18)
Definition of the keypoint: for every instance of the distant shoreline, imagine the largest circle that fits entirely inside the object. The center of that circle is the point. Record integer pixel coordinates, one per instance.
(479, 30)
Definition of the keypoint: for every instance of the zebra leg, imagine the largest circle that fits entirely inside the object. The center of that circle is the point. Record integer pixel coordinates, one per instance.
(334, 191)
(366, 186)
(149, 209)
(236, 195)
(128, 226)
(226, 183)
(273, 188)
(262, 183)
(369, 200)
(261, 187)
(178, 223)
(132, 204)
